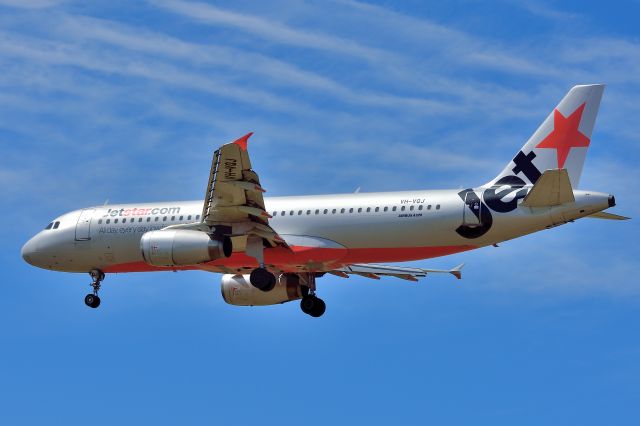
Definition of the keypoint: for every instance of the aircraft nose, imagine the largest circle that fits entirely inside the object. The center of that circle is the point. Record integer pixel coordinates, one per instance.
(29, 251)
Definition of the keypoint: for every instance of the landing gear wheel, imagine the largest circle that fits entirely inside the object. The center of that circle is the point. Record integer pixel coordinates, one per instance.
(92, 301)
(262, 279)
(313, 306)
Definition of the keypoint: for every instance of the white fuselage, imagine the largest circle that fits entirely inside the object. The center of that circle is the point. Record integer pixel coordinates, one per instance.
(324, 231)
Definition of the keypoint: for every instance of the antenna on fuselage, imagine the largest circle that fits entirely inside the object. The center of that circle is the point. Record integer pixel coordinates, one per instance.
(105, 202)
(357, 191)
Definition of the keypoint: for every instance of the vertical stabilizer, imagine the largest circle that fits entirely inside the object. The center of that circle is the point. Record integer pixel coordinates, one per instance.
(561, 141)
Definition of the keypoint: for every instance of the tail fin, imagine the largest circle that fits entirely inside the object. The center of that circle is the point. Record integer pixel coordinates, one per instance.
(561, 142)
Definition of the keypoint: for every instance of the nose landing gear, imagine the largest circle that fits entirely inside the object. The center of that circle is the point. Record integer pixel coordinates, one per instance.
(92, 300)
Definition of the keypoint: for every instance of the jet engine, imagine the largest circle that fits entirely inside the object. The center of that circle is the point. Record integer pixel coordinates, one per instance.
(182, 247)
(237, 290)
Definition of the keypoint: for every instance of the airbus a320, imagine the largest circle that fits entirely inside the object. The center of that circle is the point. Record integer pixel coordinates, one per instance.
(273, 250)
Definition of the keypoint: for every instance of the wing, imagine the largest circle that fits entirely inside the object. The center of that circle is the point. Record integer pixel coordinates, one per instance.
(376, 271)
(233, 202)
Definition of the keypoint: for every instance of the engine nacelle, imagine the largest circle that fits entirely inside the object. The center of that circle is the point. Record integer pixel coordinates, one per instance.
(182, 247)
(237, 290)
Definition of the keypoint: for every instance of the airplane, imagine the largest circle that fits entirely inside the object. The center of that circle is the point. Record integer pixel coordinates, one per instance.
(272, 250)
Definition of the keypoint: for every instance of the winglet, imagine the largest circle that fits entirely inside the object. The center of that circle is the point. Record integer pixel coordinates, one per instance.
(242, 142)
(457, 271)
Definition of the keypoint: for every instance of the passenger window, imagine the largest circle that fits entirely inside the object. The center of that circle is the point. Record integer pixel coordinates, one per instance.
(420, 207)
(283, 213)
(173, 218)
(55, 225)
(148, 219)
(108, 220)
(299, 212)
(333, 211)
(139, 220)
(198, 217)
(308, 212)
(360, 210)
(115, 220)
(189, 217)
(124, 220)
(377, 209)
(99, 221)
(157, 218)
(429, 207)
(368, 209)
(274, 214)
(325, 211)
(351, 210)
(386, 208)
(394, 208)
(402, 208)
(291, 213)
(164, 219)
(410, 207)
(181, 217)
(342, 210)
(317, 211)
(437, 206)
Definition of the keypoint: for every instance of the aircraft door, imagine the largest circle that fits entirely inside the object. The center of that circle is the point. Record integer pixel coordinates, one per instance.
(472, 210)
(83, 227)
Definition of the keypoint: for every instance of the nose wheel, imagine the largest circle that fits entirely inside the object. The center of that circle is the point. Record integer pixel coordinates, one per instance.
(92, 300)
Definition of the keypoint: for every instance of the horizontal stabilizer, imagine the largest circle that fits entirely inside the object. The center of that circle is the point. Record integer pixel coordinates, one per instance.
(373, 271)
(551, 189)
(610, 216)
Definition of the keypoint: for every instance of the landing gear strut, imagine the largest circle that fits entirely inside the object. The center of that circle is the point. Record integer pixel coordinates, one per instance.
(260, 278)
(92, 300)
(311, 304)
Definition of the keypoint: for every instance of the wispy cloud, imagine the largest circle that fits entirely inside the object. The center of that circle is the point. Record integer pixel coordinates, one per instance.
(363, 96)
(544, 10)
(32, 4)
(271, 30)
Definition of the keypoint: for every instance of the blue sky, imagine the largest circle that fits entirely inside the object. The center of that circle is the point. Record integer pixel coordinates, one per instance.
(126, 101)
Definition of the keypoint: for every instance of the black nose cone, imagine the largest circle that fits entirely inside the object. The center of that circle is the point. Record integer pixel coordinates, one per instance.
(612, 201)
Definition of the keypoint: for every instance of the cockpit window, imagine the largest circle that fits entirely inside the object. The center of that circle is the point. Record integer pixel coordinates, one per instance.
(49, 226)
(55, 225)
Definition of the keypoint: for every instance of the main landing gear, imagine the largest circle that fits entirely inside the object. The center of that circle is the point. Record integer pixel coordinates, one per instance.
(311, 304)
(92, 300)
(262, 279)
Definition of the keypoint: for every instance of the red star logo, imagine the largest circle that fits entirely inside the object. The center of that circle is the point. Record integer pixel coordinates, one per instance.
(565, 134)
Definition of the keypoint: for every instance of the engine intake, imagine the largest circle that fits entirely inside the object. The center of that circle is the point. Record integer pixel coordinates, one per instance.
(237, 290)
(182, 247)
